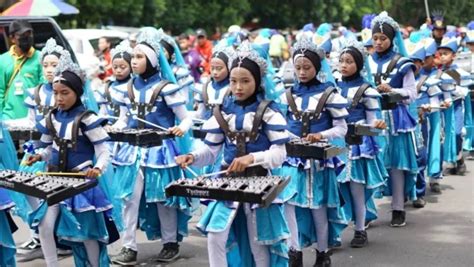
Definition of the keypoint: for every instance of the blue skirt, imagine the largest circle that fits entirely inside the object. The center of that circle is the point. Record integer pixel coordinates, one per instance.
(434, 144)
(110, 187)
(73, 228)
(449, 145)
(291, 188)
(272, 231)
(372, 174)
(8, 157)
(469, 123)
(402, 159)
(7, 244)
(320, 191)
(156, 181)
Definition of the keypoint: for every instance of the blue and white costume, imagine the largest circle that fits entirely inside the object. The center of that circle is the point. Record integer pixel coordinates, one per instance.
(7, 244)
(216, 92)
(111, 94)
(83, 221)
(143, 173)
(469, 106)
(401, 121)
(179, 67)
(429, 95)
(317, 200)
(7, 161)
(212, 93)
(109, 102)
(39, 101)
(458, 88)
(250, 235)
(365, 172)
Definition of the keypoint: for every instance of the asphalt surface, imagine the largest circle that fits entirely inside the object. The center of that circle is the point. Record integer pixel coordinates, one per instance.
(441, 234)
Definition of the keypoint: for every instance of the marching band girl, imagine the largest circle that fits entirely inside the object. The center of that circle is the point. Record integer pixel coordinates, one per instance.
(75, 141)
(318, 193)
(152, 101)
(231, 226)
(366, 172)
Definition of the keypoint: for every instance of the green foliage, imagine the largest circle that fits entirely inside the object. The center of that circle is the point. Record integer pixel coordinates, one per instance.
(180, 15)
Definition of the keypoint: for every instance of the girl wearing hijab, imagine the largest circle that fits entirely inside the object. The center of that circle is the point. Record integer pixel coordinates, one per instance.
(152, 98)
(366, 172)
(310, 212)
(83, 221)
(394, 73)
(244, 234)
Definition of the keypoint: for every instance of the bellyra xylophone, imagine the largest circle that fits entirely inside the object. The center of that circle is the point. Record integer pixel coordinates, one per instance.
(139, 137)
(24, 133)
(254, 189)
(356, 131)
(390, 100)
(53, 189)
(305, 149)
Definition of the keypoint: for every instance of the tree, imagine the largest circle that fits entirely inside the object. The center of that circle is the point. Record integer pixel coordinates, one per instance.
(180, 15)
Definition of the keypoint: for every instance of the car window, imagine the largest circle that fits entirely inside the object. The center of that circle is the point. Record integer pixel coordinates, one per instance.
(42, 31)
(113, 40)
(3, 40)
(76, 45)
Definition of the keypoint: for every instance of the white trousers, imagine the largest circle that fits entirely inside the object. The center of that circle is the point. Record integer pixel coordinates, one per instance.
(398, 189)
(34, 204)
(48, 245)
(216, 243)
(168, 217)
(290, 218)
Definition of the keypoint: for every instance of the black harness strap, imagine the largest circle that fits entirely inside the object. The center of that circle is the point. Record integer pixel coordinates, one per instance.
(241, 137)
(379, 76)
(292, 104)
(65, 144)
(421, 81)
(358, 95)
(455, 75)
(142, 107)
(316, 114)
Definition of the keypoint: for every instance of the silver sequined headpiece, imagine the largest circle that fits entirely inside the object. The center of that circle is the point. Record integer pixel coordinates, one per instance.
(222, 47)
(306, 44)
(244, 51)
(66, 64)
(163, 36)
(51, 47)
(382, 18)
(346, 46)
(120, 49)
(151, 37)
(352, 43)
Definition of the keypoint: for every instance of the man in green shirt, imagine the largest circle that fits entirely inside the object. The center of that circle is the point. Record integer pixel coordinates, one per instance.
(20, 69)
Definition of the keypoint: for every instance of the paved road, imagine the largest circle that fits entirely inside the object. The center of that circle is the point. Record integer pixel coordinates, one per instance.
(441, 234)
